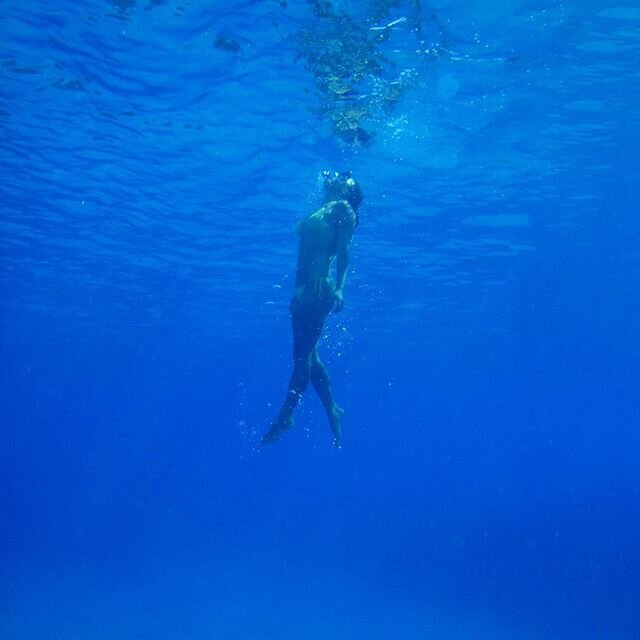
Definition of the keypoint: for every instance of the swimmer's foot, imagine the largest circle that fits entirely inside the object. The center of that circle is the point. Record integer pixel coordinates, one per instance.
(278, 428)
(335, 421)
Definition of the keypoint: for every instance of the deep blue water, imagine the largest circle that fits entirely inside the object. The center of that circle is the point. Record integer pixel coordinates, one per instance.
(155, 158)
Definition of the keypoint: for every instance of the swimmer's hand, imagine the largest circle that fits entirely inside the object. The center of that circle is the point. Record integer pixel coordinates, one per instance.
(339, 300)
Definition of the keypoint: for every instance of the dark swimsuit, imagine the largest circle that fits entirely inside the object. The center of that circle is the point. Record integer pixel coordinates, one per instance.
(318, 294)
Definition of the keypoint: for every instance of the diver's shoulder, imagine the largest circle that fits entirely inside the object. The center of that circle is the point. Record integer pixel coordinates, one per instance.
(341, 212)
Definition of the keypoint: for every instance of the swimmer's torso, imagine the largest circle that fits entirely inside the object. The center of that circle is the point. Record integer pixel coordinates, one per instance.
(319, 240)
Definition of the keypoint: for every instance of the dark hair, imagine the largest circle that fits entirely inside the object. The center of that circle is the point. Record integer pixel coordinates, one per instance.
(341, 186)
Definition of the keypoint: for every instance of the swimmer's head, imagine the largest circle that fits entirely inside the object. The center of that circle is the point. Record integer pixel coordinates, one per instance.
(341, 186)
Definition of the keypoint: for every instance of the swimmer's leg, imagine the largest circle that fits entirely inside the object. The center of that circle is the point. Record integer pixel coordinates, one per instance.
(297, 386)
(307, 327)
(322, 384)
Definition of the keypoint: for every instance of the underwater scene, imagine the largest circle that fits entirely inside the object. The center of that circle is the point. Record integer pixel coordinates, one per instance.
(320, 319)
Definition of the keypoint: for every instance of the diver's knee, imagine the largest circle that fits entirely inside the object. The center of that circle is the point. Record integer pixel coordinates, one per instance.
(316, 363)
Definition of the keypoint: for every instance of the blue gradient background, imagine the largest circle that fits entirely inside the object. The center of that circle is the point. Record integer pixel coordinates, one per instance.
(488, 357)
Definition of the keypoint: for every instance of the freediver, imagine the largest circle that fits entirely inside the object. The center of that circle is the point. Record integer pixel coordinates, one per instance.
(325, 236)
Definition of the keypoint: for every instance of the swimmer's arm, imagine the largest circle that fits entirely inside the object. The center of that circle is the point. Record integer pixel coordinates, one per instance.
(345, 225)
(342, 263)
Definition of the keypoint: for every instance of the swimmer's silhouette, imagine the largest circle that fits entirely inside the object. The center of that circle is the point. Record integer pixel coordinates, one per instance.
(324, 236)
